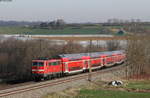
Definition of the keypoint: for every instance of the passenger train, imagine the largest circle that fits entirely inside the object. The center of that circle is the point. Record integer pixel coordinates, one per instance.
(67, 64)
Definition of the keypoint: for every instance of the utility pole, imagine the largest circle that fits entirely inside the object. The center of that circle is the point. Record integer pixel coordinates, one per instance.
(40, 47)
(89, 62)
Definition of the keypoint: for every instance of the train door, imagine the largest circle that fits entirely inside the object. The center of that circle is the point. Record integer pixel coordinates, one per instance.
(46, 67)
(49, 67)
(86, 64)
(89, 63)
(104, 60)
(66, 67)
(115, 57)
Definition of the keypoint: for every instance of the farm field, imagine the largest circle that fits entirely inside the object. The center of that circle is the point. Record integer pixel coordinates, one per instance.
(131, 89)
(111, 94)
(141, 85)
(67, 30)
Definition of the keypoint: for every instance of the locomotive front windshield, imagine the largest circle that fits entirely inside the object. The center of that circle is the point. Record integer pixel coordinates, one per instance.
(38, 63)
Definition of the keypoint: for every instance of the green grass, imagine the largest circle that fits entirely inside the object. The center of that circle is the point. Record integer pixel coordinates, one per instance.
(146, 27)
(99, 91)
(111, 94)
(21, 30)
(116, 93)
(12, 30)
(138, 85)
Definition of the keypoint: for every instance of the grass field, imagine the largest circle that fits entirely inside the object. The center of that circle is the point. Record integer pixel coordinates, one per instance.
(138, 85)
(104, 91)
(117, 93)
(111, 94)
(22, 30)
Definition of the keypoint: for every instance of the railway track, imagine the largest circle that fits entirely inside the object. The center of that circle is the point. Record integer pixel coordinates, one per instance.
(8, 86)
(60, 81)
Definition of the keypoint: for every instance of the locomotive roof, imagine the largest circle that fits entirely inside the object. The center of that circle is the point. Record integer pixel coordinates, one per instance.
(92, 54)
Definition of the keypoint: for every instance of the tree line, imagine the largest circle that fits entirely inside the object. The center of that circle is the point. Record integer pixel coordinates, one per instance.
(138, 56)
(56, 24)
(16, 55)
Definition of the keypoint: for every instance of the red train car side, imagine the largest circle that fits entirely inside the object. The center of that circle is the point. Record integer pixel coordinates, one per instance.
(74, 63)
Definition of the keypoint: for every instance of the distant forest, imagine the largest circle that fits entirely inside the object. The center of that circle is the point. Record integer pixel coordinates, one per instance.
(18, 23)
(23, 23)
(34, 23)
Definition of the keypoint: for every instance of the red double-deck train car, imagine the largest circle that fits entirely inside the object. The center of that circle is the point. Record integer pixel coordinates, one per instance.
(75, 63)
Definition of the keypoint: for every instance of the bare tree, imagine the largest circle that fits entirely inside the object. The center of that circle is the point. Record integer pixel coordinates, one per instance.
(113, 45)
(138, 56)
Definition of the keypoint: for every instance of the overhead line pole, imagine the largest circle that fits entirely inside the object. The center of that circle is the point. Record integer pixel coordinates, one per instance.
(90, 69)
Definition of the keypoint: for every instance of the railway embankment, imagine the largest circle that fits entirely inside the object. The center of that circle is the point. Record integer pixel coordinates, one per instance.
(40, 89)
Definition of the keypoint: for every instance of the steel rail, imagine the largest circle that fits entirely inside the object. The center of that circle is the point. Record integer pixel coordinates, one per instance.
(64, 80)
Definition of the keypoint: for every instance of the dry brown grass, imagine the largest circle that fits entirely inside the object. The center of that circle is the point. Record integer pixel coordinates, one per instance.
(68, 93)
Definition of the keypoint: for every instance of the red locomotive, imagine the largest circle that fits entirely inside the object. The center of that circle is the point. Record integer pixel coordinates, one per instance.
(74, 63)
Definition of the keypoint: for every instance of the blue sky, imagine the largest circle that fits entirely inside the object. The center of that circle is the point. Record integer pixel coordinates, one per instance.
(74, 10)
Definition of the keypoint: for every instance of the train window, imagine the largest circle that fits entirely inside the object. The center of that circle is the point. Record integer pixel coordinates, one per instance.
(54, 63)
(38, 63)
(34, 63)
(41, 63)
